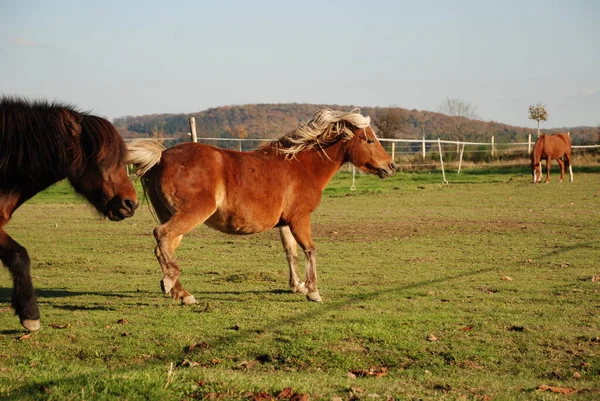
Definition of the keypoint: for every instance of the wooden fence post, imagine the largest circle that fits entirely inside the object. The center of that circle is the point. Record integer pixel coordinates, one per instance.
(393, 151)
(529, 145)
(423, 148)
(492, 145)
(442, 162)
(193, 129)
(462, 151)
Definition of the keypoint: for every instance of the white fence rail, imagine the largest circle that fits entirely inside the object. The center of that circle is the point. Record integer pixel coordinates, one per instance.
(403, 147)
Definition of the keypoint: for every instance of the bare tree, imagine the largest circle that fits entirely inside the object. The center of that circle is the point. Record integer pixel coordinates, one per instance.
(456, 107)
(538, 113)
(390, 121)
(463, 113)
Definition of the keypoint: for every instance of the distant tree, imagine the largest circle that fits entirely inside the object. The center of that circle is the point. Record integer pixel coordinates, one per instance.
(464, 113)
(458, 108)
(158, 131)
(538, 113)
(389, 121)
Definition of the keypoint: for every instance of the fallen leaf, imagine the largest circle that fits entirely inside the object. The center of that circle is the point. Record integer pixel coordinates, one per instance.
(188, 363)
(287, 392)
(197, 346)
(595, 279)
(25, 337)
(125, 334)
(557, 390)
(123, 321)
(506, 278)
(262, 396)
(350, 375)
(432, 338)
(466, 328)
(60, 326)
(299, 397)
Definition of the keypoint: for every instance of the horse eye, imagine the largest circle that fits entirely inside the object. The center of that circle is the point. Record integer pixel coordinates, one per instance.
(369, 140)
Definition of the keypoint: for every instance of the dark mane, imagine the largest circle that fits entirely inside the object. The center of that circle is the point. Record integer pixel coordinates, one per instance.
(46, 141)
(102, 142)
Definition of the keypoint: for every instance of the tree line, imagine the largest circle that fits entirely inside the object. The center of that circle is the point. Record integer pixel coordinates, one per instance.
(455, 120)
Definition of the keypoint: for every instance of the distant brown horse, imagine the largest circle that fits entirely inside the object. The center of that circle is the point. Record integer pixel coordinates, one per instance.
(40, 144)
(551, 147)
(278, 185)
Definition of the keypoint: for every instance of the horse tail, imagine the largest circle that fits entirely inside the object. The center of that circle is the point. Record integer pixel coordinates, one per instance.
(144, 154)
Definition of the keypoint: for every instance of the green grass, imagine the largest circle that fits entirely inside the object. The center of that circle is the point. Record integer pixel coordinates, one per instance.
(398, 260)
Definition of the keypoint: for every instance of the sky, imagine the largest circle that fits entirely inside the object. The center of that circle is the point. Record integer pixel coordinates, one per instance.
(119, 58)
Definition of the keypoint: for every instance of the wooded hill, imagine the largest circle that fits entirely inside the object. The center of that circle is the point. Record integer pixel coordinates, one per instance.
(275, 120)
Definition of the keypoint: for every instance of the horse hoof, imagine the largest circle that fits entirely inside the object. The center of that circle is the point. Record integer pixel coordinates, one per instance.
(189, 300)
(313, 296)
(300, 289)
(31, 325)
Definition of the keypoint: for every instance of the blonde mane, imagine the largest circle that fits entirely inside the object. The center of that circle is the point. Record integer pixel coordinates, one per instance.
(324, 128)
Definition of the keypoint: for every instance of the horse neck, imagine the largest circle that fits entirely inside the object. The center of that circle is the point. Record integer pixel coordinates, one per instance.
(536, 154)
(323, 163)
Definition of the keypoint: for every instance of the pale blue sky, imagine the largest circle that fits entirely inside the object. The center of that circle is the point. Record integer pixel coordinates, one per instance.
(141, 57)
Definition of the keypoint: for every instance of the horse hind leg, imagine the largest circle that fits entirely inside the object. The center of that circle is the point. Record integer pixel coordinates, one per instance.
(168, 237)
(568, 163)
(16, 259)
(290, 246)
(301, 231)
(562, 169)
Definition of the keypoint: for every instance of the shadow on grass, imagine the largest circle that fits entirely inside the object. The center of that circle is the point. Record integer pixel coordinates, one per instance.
(6, 293)
(44, 387)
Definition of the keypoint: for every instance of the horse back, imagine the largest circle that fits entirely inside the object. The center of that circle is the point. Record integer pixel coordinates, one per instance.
(553, 146)
(248, 190)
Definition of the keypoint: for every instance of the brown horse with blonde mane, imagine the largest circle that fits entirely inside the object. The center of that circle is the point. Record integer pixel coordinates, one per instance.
(278, 185)
(551, 147)
(40, 144)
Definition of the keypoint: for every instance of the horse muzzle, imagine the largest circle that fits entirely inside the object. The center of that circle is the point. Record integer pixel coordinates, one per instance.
(117, 211)
(388, 171)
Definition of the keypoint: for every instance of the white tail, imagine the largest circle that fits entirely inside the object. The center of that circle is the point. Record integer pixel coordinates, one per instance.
(144, 154)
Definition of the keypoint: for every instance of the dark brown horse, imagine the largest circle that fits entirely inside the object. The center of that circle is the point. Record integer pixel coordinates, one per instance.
(278, 185)
(40, 144)
(551, 147)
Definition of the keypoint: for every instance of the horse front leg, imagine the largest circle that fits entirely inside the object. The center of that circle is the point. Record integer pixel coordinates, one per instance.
(548, 160)
(16, 259)
(302, 234)
(291, 253)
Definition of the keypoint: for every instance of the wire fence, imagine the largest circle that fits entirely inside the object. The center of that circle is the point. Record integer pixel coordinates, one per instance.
(428, 154)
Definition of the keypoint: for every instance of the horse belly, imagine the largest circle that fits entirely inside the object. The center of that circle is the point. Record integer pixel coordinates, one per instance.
(241, 222)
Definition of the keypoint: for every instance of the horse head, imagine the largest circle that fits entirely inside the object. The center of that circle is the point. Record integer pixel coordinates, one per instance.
(100, 173)
(365, 151)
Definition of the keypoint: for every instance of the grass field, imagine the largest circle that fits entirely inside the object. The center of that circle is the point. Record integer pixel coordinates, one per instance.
(487, 288)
